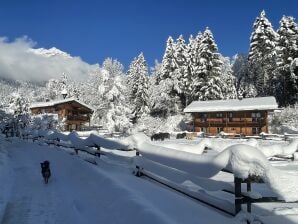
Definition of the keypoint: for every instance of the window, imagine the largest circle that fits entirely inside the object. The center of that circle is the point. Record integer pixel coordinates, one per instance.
(218, 115)
(219, 130)
(72, 127)
(230, 115)
(256, 131)
(203, 117)
(256, 116)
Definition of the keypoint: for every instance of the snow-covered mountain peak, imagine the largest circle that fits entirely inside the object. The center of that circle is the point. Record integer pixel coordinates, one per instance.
(51, 52)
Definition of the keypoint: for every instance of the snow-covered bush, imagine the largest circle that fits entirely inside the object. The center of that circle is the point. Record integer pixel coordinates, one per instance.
(151, 125)
(45, 122)
(285, 121)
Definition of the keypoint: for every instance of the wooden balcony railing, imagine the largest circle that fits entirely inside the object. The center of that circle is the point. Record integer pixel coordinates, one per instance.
(77, 118)
(234, 122)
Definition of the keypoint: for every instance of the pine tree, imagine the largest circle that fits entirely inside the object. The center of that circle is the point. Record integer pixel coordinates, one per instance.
(116, 114)
(206, 82)
(244, 84)
(162, 102)
(228, 79)
(187, 77)
(138, 85)
(262, 55)
(287, 51)
(168, 63)
(194, 65)
(170, 72)
(182, 70)
(19, 106)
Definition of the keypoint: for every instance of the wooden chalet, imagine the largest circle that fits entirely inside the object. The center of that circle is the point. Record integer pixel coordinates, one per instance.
(246, 116)
(74, 113)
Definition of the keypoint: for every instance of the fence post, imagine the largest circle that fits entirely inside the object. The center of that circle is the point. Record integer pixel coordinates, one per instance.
(248, 188)
(97, 151)
(238, 195)
(138, 172)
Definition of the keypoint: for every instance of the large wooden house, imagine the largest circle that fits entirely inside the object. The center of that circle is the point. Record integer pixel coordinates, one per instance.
(246, 116)
(71, 111)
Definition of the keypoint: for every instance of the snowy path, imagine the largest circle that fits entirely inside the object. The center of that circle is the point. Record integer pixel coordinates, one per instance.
(80, 192)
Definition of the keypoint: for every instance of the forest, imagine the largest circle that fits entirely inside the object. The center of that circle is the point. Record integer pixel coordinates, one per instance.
(153, 99)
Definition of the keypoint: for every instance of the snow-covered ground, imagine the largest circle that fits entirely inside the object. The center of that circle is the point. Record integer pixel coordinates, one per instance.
(81, 192)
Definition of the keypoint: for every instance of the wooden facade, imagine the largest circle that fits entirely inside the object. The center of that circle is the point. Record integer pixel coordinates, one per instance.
(242, 117)
(71, 111)
(239, 122)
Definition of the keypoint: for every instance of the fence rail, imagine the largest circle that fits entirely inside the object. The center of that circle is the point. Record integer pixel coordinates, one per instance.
(240, 197)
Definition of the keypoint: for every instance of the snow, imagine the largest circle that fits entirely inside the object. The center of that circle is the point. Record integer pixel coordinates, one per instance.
(52, 52)
(243, 160)
(259, 103)
(56, 102)
(279, 149)
(92, 140)
(80, 192)
(195, 148)
(252, 194)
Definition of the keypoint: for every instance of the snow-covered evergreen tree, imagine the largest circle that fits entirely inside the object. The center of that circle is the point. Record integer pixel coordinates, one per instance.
(244, 84)
(168, 61)
(117, 113)
(137, 80)
(162, 102)
(170, 75)
(262, 55)
(228, 79)
(206, 81)
(181, 74)
(19, 107)
(55, 87)
(287, 51)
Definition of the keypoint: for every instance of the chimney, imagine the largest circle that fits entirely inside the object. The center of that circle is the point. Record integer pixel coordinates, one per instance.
(64, 93)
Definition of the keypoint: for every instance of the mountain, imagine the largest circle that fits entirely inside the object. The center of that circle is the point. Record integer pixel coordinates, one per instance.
(51, 52)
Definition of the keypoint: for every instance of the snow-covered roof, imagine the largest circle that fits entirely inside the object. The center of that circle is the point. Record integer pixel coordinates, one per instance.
(258, 103)
(56, 102)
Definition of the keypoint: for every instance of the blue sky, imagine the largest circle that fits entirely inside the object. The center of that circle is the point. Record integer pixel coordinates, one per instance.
(95, 30)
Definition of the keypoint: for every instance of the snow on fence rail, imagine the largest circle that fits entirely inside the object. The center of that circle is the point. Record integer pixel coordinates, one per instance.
(247, 163)
(90, 145)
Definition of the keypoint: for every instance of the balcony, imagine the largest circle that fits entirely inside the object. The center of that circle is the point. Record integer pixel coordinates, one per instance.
(230, 122)
(77, 118)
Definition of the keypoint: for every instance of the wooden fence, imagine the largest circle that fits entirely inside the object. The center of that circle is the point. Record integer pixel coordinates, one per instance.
(241, 196)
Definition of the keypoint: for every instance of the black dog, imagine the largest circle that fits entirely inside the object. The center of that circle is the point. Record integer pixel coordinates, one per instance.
(160, 136)
(45, 171)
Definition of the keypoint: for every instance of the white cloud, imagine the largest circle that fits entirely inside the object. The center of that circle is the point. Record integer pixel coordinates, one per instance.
(19, 60)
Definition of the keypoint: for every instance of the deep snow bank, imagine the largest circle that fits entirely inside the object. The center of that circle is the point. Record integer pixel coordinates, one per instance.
(279, 150)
